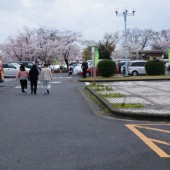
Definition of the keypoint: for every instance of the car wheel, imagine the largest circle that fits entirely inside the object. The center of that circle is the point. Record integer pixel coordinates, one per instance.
(134, 73)
(87, 74)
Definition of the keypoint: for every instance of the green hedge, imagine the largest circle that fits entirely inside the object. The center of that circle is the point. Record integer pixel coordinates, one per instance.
(155, 67)
(106, 67)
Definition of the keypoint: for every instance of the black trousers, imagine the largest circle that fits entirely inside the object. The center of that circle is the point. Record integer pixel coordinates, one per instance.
(23, 85)
(84, 73)
(33, 86)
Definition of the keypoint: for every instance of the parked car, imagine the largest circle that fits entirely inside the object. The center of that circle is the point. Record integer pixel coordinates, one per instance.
(120, 64)
(89, 62)
(77, 69)
(18, 65)
(122, 69)
(27, 64)
(10, 69)
(63, 68)
(55, 67)
(136, 67)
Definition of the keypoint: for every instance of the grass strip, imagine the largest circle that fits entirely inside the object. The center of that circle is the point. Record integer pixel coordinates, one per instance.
(127, 105)
(112, 95)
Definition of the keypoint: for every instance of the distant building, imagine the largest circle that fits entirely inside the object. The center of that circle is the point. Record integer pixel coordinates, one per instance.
(151, 54)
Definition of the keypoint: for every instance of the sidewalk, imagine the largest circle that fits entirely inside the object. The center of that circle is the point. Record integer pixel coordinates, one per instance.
(155, 96)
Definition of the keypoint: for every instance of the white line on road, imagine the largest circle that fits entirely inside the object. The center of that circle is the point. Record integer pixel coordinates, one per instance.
(40, 86)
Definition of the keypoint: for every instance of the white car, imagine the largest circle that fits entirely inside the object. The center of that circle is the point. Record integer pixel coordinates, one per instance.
(18, 65)
(11, 69)
(55, 67)
(77, 69)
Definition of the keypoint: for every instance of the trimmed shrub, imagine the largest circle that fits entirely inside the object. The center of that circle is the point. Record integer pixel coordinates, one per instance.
(106, 68)
(155, 67)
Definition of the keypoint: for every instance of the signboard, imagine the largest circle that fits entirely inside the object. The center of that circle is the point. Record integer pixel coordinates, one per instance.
(169, 54)
(96, 54)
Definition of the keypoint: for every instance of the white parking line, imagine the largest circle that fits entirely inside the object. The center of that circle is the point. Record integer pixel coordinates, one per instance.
(40, 86)
(9, 79)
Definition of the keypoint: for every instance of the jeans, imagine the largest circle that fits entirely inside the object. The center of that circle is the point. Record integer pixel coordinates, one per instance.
(46, 84)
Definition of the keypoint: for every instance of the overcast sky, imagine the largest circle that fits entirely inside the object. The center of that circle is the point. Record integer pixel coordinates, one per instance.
(92, 18)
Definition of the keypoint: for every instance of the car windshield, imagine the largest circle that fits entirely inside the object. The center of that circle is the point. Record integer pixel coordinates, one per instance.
(30, 64)
(16, 64)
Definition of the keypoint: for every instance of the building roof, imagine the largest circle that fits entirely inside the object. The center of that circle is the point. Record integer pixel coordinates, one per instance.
(151, 52)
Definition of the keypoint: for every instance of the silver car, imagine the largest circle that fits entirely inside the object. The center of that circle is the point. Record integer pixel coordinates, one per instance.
(136, 67)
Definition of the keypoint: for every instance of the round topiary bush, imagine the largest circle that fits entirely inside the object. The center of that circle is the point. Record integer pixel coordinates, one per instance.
(155, 67)
(106, 67)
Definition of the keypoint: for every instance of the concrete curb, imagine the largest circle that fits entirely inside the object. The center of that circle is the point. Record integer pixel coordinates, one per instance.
(86, 80)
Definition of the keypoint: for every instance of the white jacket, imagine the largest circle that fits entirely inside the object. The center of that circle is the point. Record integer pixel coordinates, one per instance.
(46, 74)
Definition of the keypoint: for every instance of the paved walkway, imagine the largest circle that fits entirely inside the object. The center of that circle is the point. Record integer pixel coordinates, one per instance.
(154, 95)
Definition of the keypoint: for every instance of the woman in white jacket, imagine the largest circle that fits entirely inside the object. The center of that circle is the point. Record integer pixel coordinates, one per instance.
(46, 77)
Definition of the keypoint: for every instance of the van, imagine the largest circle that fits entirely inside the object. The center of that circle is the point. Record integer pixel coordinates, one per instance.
(136, 67)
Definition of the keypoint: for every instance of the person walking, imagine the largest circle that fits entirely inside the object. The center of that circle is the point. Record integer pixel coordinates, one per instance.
(70, 72)
(46, 77)
(61, 69)
(84, 67)
(22, 75)
(33, 77)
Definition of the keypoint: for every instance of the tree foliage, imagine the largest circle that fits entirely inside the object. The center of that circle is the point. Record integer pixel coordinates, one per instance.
(106, 67)
(107, 45)
(155, 67)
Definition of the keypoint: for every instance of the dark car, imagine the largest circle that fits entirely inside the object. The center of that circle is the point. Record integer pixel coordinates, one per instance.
(120, 64)
(27, 64)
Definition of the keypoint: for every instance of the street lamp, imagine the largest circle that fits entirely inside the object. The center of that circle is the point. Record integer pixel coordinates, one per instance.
(125, 13)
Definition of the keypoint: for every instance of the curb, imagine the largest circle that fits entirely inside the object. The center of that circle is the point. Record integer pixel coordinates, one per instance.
(97, 80)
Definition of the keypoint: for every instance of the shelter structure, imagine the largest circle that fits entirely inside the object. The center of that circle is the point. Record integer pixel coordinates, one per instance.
(152, 54)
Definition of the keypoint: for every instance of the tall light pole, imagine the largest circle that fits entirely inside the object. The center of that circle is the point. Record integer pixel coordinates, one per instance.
(125, 14)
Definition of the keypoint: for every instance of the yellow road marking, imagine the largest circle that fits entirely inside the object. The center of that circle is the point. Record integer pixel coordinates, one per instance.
(148, 141)
(160, 130)
(160, 141)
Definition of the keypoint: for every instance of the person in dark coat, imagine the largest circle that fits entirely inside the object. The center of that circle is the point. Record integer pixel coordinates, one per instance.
(33, 76)
(84, 67)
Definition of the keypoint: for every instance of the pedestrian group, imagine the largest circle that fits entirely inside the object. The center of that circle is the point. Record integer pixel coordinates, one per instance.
(45, 76)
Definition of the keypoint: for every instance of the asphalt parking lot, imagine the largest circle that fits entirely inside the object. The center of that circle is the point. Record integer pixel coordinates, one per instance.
(64, 130)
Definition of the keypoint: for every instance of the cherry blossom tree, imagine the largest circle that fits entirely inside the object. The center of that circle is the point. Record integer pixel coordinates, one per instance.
(20, 47)
(69, 48)
(42, 44)
(47, 42)
(161, 41)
